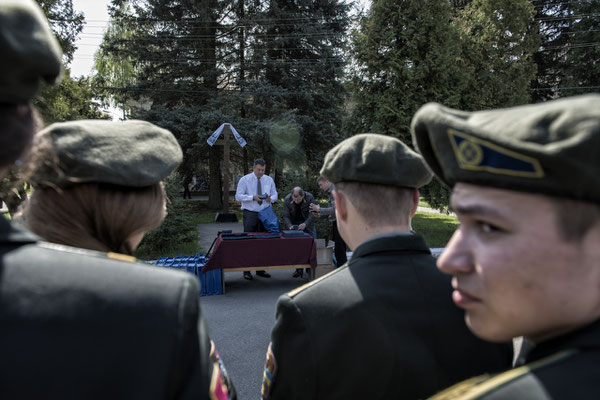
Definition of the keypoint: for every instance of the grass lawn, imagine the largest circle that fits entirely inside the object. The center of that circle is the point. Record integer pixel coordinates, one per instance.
(436, 228)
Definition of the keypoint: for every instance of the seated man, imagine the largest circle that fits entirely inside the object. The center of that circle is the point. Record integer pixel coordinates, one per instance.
(525, 260)
(76, 323)
(296, 215)
(382, 326)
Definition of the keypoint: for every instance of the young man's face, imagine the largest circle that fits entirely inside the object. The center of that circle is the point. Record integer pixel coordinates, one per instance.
(259, 170)
(513, 274)
(324, 185)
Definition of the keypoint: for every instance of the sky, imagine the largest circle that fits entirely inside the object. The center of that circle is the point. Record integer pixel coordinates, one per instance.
(96, 16)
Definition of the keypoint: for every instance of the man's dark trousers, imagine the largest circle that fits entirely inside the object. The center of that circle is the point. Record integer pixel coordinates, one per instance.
(253, 224)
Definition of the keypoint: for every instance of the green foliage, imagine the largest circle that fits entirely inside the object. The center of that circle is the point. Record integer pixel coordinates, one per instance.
(406, 54)
(72, 99)
(177, 230)
(568, 61)
(436, 195)
(498, 41)
(65, 23)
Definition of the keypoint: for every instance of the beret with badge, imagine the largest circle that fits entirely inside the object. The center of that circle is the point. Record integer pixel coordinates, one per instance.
(376, 159)
(29, 51)
(125, 153)
(549, 148)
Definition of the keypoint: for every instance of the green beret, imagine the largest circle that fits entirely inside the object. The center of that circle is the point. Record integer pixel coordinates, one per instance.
(550, 148)
(126, 153)
(378, 159)
(28, 50)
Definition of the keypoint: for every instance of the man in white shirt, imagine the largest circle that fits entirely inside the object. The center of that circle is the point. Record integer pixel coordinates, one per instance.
(256, 191)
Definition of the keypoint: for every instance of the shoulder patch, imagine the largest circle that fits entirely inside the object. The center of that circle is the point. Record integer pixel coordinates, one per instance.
(87, 252)
(220, 385)
(307, 285)
(269, 374)
(480, 155)
(120, 257)
(476, 387)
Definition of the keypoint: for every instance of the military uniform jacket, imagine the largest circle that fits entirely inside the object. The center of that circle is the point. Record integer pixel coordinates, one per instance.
(381, 327)
(567, 367)
(289, 211)
(75, 324)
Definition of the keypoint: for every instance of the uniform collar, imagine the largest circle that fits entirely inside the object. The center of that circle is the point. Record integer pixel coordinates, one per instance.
(587, 337)
(11, 233)
(408, 242)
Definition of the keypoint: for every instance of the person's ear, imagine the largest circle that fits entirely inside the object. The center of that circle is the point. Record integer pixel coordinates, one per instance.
(341, 205)
(415, 202)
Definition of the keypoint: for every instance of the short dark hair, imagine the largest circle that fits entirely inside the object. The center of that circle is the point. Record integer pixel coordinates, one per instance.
(574, 218)
(394, 202)
(260, 161)
(321, 179)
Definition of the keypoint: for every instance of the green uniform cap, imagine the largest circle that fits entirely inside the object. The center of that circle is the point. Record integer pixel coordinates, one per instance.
(28, 50)
(377, 159)
(126, 153)
(551, 148)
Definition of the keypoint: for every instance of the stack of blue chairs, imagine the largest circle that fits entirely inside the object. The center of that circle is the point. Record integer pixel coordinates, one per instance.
(210, 282)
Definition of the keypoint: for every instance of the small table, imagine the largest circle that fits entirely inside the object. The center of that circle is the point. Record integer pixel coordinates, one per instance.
(255, 253)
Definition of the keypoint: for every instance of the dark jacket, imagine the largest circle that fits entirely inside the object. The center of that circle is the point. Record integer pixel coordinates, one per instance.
(563, 368)
(289, 211)
(382, 327)
(76, 324)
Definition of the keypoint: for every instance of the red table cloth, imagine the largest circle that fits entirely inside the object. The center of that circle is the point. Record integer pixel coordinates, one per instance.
(256, 252)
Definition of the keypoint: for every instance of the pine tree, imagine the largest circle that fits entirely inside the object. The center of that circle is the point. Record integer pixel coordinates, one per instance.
(569, 58)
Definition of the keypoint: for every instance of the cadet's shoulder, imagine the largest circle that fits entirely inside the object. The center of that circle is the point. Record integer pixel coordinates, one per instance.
(58, 260)
(335, 280)
(516, 383)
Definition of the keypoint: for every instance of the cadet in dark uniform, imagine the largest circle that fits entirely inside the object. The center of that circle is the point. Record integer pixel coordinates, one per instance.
(382, 326)
(99, 183)
(75, 323)
(526, 258)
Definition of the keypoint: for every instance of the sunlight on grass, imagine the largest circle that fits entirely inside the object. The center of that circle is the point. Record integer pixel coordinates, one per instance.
(436, 228)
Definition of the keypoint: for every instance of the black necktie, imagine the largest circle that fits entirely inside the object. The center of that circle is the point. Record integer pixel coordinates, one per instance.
(258, 187)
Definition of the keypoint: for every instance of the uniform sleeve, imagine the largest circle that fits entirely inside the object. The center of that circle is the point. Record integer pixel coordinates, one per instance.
(198, 372)
(290, 370)
(287, 222)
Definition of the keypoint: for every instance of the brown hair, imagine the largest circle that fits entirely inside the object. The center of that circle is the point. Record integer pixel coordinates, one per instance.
(574, 218)
(95, 216)
(379, 204)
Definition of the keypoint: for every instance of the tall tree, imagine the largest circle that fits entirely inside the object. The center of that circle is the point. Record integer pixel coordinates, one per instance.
(498, 40)
(66, 24)
(569, 59)
(296, 73)
(405, 55)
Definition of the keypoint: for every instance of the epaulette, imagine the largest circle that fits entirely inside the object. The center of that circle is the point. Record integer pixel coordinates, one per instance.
(86, 252)
(477, 387)
(307, 285)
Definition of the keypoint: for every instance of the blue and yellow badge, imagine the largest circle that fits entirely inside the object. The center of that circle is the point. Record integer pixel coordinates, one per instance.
(476, 154)
(269, 375)
(220, 385)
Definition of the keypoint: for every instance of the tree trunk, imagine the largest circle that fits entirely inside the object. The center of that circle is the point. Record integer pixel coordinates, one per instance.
(214, 190)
